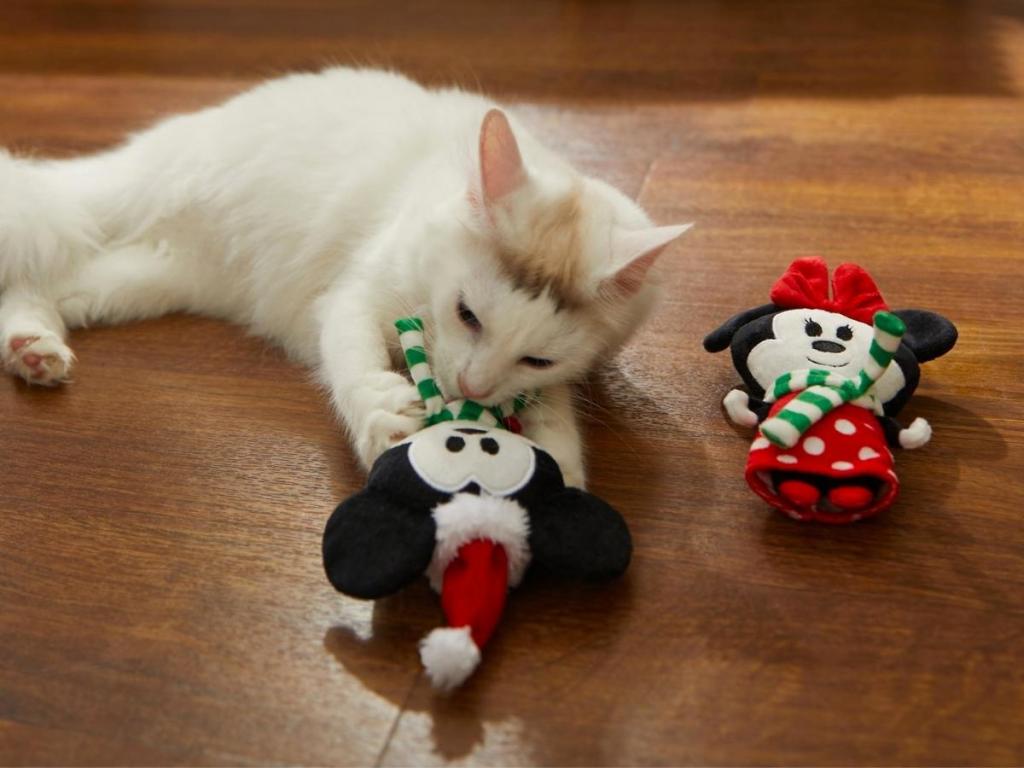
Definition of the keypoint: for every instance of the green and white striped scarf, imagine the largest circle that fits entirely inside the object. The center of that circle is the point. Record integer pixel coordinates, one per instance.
(823, 391)
(410, 335)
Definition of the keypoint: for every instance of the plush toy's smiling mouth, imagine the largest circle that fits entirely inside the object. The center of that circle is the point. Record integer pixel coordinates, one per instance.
(829, 365)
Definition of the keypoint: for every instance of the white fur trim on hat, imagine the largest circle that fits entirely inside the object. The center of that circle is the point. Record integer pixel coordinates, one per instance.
(449, 655)
(466, 517)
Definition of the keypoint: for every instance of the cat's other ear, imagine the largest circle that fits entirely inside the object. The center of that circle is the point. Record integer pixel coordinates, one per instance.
(501, 165)
(633, 254)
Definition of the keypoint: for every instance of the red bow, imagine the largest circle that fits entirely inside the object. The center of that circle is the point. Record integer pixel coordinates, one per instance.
(805, 286)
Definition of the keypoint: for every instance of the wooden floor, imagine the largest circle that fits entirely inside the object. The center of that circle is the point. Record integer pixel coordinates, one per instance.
(161, 594)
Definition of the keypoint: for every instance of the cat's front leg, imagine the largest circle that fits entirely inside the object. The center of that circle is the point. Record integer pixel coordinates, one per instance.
(552, 424)
(378, 406)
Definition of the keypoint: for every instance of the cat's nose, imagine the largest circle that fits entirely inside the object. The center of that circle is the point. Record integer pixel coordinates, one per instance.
(468, 391)
(828, 346)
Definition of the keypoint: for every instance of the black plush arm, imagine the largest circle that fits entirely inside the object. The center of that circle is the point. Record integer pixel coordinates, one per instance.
(576, 535)
(759, 407)
(891, 429)
(373, 547)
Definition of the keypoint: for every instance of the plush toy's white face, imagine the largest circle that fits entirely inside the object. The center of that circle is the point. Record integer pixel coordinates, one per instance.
(452, 454)
(815, 338)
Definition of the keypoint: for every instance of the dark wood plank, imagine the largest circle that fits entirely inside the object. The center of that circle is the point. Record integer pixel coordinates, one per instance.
(659, 50)
(160, 588)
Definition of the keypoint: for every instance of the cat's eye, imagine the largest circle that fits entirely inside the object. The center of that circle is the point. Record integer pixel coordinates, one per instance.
(844, 332)
(811, 328)
(537, 362)
(467, 317)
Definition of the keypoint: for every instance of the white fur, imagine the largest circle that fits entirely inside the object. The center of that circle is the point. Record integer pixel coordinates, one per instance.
(450, 656)
(467, 516)
(316, 209)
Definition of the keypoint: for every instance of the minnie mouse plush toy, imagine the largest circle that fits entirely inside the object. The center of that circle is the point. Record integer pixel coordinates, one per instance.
(825, 377)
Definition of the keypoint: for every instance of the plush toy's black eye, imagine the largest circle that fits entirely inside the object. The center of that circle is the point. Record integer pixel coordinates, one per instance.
(537, 362)
(844, 332)
(811, 328)
(467, 317)
(455, 444)
(490, 445)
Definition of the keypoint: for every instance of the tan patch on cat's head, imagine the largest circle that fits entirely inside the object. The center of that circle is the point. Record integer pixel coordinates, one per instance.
(550, 257)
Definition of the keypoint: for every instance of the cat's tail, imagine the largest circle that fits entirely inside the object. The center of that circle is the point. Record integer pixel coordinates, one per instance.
(45, 227)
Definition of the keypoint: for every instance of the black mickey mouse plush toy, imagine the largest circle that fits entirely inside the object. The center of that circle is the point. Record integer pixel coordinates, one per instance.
(470, 504)
(795, 355)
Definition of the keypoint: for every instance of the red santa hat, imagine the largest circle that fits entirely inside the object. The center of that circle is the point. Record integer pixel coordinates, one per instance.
(481, 551)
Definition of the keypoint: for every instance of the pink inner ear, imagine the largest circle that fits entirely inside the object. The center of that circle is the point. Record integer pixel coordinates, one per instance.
(637, 251)
(501, 165)
(630, 278)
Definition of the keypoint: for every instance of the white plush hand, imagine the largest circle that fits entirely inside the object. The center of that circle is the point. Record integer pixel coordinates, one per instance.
(917, 434)
(737, 407)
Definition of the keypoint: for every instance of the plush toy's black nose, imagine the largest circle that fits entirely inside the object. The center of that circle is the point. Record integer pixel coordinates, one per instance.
(828, 346)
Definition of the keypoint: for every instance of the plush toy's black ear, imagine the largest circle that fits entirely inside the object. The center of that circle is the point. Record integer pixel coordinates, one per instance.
(929, 335)
(721, 337)
(576, 535)
(373, 547)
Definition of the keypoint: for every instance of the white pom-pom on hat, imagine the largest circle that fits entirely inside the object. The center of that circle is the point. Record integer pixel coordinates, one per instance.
(450, 656)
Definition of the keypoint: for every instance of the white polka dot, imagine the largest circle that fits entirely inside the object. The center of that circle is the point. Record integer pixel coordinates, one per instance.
(845, 427)
(866, 454)
(785, 458)
(814, 446)
(759, 444)
(842, 466)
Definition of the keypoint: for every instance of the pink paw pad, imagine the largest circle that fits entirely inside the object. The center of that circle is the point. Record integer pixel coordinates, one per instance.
(32, 360)
(17, 344)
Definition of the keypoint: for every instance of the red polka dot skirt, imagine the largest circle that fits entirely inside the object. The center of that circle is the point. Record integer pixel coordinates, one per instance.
(840, 471)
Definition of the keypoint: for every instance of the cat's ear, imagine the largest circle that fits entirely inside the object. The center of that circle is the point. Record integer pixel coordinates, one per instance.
(501, 165)
(633, 254)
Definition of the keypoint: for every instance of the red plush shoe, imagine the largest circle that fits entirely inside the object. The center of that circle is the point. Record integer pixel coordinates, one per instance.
(851, 498)
(799, 492)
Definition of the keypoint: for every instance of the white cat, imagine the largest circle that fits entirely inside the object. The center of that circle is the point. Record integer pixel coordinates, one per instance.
(317, 209)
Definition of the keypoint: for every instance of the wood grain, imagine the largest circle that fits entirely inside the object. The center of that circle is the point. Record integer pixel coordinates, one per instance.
(161, 593)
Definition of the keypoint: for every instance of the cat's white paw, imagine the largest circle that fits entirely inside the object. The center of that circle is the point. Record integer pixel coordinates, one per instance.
(567, 452)
(42, 359)
(392, 411)
(575, 475)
